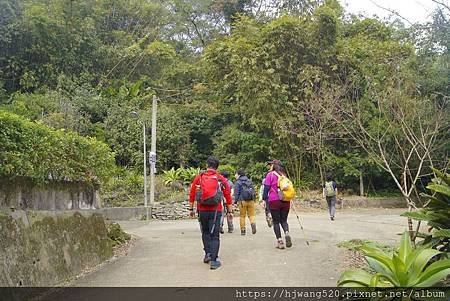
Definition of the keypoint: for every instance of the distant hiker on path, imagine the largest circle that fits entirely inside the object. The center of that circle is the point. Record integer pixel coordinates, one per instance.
(225, 214)
(279, 209)
(329, 193)
(208, 190)
(245, 196)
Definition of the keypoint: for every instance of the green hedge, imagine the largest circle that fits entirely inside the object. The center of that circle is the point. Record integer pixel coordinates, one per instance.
(34, 150)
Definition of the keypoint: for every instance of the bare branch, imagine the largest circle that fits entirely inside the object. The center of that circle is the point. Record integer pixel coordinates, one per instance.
(392, 12)
(442, 4)
(389, 170)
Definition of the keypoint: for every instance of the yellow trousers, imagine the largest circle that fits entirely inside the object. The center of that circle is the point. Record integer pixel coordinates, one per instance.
(246, 208)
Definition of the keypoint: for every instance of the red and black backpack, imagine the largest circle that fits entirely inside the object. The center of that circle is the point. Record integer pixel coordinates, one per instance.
(210, 191)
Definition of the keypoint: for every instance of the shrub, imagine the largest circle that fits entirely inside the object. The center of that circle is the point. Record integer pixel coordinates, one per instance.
(227, 168)
(183, 176)
(172, 175)
(188, 174)
(33, 150)
(436, 213)
(116, 235)
(124, 189)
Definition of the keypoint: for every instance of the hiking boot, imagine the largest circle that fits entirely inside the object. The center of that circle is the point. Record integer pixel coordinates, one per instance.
(253, 228)
(215, 264)
(280, 244)
(207, 258)
(221, 230)
(288, 241)
(243, 232)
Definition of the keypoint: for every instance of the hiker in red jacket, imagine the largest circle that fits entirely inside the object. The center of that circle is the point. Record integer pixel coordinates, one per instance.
(208, 190)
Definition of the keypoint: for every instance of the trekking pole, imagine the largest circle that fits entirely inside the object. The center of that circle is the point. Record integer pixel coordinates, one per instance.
(301, 226)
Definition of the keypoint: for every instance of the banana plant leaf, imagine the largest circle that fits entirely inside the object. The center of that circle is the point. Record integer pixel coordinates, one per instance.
(442, 233)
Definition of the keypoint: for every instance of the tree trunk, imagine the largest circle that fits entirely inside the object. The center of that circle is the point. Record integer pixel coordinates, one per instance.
(319, 165)
(410, 223)
(321, 174)
(361, 185)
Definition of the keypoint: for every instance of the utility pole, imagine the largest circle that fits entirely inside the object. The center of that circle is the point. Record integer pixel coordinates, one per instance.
(145, 168)
(136, 115)
(152, 157)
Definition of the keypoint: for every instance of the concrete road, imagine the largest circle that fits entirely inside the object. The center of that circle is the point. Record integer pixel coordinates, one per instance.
(169, 253)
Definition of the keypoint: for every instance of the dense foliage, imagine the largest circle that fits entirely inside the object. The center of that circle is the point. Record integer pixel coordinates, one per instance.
(436, 212)
(181, 176)
(245, 80)
(33, 150)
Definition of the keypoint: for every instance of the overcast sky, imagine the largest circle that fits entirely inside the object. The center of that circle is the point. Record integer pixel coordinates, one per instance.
(416, 11)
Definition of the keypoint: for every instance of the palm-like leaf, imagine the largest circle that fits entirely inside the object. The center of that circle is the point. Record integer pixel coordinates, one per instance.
(405, 247)
(419, 259)
(171, 176)
(184, 176)
(187, 175)
(435, 272)
(361, 278)
(442, 233)
(355, 278)
(408, 268)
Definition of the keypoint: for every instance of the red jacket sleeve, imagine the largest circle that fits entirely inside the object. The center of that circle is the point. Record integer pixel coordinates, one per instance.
(193, 189)
(226, 190)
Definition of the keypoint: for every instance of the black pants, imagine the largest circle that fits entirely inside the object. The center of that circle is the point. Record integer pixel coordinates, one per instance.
(210, 224)
(279, 216)
(266, 208)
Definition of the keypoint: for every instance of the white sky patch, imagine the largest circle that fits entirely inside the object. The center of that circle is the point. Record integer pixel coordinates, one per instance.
(415, 11)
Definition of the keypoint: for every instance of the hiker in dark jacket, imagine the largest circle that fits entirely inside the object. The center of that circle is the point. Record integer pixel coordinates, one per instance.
(245, 195)
(330, 193)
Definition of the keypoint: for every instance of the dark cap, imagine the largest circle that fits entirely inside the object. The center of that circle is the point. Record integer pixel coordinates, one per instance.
(277, 162)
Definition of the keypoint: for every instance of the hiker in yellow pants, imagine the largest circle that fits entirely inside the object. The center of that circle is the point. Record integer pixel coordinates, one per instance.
(245, 195)
(247, 208)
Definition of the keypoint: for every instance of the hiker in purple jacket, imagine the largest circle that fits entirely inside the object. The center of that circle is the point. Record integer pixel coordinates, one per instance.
(279, 209)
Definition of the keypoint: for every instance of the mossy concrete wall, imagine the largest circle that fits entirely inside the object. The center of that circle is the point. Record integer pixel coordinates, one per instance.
(22, 193)
(37, 250)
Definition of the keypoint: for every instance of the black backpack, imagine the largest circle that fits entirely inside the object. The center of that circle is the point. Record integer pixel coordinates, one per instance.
(248, 191)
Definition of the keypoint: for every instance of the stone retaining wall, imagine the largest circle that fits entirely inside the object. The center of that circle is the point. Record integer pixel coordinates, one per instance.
(22, 193)
(171, 210)
(41, 250)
